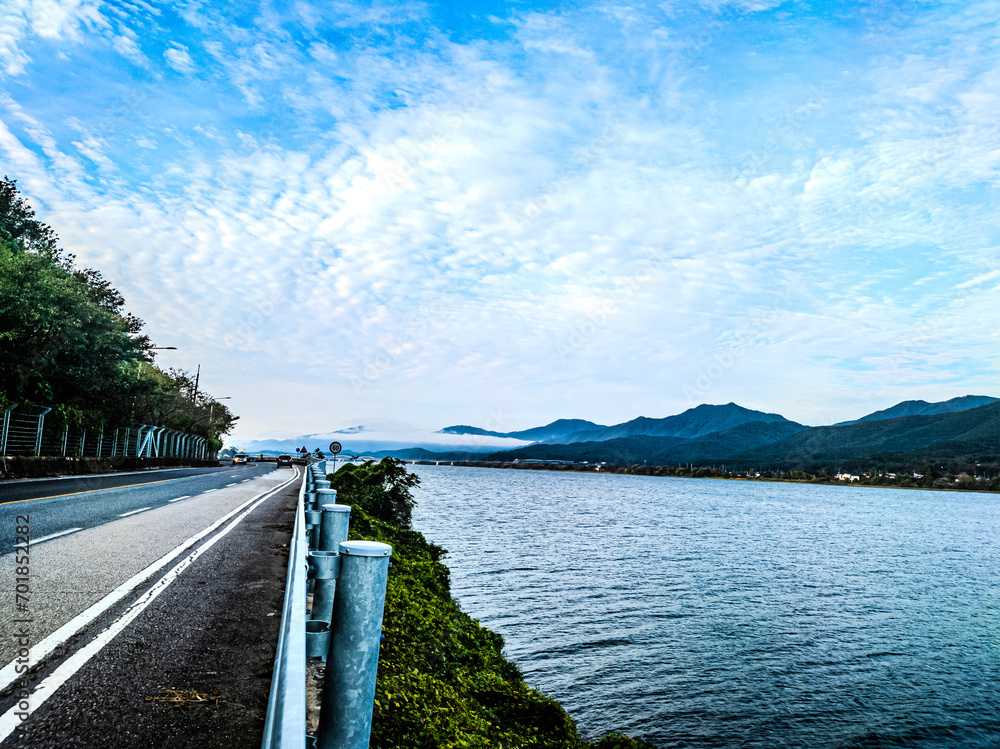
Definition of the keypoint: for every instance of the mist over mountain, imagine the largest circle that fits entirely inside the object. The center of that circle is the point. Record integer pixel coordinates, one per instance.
(380, 438)
(559, 428)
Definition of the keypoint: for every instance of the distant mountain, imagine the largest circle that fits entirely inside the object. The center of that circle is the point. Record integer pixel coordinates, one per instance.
(555, 430)
(907, 441)
(695, 422)
(923, 408)
(660, 450)
(419, 453)
(972, 434)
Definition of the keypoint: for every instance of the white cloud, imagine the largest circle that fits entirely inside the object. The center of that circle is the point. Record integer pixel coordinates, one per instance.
(53, 20)
(444, 232)
(180, 60)
(127, 46)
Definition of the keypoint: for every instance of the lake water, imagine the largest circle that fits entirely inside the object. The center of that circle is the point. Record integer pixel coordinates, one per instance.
(699, 613)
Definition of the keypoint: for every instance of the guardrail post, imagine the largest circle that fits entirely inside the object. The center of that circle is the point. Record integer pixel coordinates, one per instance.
(41, 426)
(321, 484)
(6, 429)
(332, 532)
(345, 720)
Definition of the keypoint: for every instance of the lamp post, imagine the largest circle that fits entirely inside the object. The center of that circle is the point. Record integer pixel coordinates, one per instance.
(211, 415)
(212, 409)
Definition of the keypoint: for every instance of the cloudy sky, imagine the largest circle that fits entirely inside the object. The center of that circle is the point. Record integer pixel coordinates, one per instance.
(500, 214)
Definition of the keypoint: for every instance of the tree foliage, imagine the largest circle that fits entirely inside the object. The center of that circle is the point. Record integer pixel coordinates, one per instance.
(382, 489)
(66, 340)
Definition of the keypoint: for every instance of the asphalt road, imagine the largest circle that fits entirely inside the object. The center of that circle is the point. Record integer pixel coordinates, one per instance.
(58, 506)
(195, 589)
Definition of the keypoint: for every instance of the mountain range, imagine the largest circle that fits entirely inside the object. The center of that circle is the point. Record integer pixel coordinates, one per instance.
(559, 429)
(903, 437)
(923, 408)
(907, 434)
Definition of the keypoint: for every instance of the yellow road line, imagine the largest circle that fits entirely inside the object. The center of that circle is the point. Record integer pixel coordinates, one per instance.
(87, 491)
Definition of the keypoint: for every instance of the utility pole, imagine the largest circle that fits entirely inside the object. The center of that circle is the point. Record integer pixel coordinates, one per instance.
(196, 378)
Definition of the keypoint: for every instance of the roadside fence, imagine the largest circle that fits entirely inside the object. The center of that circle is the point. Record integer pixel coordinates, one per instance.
(32, 431)
(334, 600)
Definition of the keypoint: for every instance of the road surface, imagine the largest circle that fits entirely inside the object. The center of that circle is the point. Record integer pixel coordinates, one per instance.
(135, 591)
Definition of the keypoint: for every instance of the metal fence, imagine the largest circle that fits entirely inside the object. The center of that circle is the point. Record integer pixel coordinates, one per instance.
(33, 431)
(342, 585)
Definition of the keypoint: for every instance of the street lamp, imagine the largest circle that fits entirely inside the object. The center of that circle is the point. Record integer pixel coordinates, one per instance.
(212, 409)
(211, 413)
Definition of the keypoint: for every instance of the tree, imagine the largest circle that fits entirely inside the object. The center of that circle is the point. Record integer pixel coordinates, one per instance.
(67, 342)
(381, 489)
(18, 227)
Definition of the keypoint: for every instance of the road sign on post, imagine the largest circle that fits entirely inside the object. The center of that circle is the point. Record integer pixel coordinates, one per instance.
(335, 447)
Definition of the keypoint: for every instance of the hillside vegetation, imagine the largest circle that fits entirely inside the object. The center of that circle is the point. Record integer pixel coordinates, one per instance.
(909, 441)
(443, 681)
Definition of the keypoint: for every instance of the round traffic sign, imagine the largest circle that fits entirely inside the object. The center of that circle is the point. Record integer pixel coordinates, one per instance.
(335, 447)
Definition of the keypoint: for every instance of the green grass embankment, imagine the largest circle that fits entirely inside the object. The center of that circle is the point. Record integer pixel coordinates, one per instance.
(443, 681)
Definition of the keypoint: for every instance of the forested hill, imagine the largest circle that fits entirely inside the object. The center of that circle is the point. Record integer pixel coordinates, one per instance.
(923, 408)
(904, 443)
(659, 450)
(695, 422)
(972, 435)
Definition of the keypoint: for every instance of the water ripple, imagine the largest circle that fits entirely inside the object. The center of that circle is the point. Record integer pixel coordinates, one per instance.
(727, 614)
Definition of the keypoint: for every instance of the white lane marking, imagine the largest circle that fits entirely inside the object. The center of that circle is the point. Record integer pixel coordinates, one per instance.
(208, 491)
(147, 471)
(54, 535)
(134, 512)
(186, 496)
(232, 484)
(44, 648)
(14, 717)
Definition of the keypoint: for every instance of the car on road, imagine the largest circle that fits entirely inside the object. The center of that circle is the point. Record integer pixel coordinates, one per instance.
(239, 458)
(284, 460)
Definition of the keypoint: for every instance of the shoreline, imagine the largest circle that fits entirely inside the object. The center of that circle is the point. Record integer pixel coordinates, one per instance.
(670, 472)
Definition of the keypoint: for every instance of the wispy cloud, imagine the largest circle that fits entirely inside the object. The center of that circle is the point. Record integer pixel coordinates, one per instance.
(180, 60)
(431, 205)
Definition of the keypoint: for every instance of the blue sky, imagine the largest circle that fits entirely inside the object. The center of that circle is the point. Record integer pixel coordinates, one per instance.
(500, 214)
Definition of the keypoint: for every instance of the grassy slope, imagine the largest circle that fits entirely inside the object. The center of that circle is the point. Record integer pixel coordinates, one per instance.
(443, 681)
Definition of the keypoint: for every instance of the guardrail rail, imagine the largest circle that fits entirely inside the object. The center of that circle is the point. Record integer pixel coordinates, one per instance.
(334, 599)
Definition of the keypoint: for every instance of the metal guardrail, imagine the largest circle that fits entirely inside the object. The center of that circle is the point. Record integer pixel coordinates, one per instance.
(348, 581)
(27, 432)
(285, 723)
